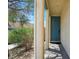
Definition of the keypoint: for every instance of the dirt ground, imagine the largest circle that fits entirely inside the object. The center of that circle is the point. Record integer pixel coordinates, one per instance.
(19, 53)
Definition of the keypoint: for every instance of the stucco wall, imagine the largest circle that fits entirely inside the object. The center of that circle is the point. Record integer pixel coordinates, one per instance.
(65, 28)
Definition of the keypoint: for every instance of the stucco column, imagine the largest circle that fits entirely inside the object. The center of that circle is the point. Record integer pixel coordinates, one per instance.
(39, 27)
(47, 29)
(35, 29)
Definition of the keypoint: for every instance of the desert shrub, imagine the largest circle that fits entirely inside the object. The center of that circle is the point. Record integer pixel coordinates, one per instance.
(21, 35)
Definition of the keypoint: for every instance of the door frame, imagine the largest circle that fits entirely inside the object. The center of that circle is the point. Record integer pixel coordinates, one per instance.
(51, 31)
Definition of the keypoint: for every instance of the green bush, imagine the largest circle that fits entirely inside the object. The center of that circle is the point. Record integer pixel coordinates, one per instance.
(23, 36)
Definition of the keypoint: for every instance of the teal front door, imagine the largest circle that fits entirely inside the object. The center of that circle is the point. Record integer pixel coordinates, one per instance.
(55, 28)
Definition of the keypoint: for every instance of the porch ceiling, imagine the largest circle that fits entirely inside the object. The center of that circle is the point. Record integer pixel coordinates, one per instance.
(55, 6)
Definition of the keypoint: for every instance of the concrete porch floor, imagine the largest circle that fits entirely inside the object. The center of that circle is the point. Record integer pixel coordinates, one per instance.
(56, 51)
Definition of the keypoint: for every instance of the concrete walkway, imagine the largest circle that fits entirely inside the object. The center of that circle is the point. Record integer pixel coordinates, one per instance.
(56, 51)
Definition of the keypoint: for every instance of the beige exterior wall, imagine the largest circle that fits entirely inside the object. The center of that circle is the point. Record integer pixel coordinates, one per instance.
(65, 28)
